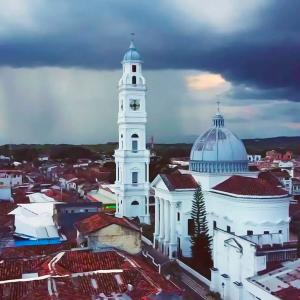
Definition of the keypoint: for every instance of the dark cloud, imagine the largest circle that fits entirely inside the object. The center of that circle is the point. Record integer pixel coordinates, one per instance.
(264, 55)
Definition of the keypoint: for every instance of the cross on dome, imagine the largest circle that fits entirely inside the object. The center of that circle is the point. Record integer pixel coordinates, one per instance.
(218, 119)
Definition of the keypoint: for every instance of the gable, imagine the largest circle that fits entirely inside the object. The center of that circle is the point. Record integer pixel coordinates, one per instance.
(158, 183)
(235, 244)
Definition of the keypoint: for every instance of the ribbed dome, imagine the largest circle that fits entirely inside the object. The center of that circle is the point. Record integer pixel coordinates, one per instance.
(132, 54)
(218, 150)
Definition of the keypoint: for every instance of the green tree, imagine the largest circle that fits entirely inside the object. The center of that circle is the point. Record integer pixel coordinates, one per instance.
(200, 239)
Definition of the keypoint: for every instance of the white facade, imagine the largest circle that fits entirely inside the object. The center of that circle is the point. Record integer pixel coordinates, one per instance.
(238, 261)
(172, 212)
(234, 261)
(35, 221)
(11, 177)
(132, 158)
(254, 157)
(263, 214)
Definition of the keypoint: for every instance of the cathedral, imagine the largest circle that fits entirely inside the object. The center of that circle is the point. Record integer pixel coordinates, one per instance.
(245, 213)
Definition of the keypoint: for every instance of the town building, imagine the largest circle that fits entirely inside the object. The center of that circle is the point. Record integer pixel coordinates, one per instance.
(101, 231)
(248, 267)
(34, 224)
(11, 177)
(254, 157)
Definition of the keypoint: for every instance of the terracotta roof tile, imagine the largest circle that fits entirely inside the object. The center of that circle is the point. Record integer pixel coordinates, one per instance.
(121, 271)
(241, 185)
(178, 181)
(101, 220)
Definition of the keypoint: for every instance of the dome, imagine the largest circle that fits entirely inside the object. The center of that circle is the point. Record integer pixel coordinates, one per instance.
(132, 54)
(218, 150)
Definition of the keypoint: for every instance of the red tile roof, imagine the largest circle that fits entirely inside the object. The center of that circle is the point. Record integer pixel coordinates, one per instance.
(58, 195)
(178, 181)
(271, 178)
(121, 271)
(241, 185)
(33, 251)
(101, 220)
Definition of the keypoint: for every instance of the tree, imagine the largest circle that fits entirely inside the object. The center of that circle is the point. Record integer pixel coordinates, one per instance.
(200, 239)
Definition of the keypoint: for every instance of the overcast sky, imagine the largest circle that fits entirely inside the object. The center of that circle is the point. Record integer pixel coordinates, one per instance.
(60, 64)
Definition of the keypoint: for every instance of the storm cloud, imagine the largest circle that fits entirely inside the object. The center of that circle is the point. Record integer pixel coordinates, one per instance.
(248, 42)
(60, 64)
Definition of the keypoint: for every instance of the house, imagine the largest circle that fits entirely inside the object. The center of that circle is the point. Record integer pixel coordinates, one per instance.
(67, 214)
(103, 230)
(254, 157)
(43, 157)
(11, 177)
(34, 222)
(104, 194)
(68, 181)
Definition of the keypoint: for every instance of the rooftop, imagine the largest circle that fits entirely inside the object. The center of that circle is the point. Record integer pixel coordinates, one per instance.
(81, 274)
(101, 220)
(248, 186)
(178, 181)
(283, 282)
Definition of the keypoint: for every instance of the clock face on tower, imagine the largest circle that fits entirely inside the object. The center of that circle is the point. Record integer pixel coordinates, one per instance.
(135, 104)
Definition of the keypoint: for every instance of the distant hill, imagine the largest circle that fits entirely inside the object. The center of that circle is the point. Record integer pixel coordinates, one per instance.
(31, 151)
(281, 143)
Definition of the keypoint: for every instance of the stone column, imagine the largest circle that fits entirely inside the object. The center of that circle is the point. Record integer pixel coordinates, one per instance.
(173, 218)
(156, 224)
(161, 221)
(167, 226)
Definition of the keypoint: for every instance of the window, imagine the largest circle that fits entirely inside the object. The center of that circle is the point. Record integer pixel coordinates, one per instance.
(133, 79)
(134, 146)
(134, 202)
(214, 224)
(280, 231)
(249, 232)
(228, 229)
(266, 232)
(191, 227)
(133, 68)
(134, 177)
(134, 142)
(178, 216)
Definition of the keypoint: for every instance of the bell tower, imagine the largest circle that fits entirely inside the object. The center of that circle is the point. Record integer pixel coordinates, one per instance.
(132, 158)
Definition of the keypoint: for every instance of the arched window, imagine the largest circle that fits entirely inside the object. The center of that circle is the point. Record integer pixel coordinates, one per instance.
(134, 135)
(134, 202)
(133, 79)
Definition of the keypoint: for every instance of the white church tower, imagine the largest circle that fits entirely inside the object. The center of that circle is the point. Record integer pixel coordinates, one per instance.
(132, 158)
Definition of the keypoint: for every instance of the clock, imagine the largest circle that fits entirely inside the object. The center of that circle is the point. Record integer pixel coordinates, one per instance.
(135, 104)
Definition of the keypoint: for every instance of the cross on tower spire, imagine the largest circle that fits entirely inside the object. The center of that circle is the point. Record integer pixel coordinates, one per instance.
(218, 104)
